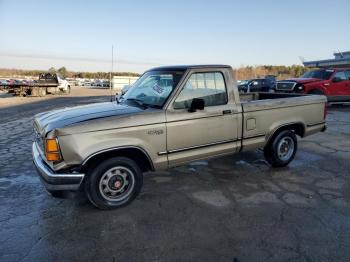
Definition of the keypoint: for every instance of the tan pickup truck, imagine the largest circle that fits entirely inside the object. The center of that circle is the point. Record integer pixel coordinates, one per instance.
(172, 115)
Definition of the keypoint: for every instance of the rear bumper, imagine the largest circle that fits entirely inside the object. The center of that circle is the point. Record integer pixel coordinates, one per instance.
(55, 181)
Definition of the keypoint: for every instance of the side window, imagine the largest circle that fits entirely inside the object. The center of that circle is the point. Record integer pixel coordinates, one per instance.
(340, 76)
(348, 75)
(208, 86)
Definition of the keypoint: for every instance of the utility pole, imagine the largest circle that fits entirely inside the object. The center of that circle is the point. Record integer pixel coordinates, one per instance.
(110, 76)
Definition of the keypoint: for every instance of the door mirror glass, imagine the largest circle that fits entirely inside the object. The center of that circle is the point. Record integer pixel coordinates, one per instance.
(196, 104)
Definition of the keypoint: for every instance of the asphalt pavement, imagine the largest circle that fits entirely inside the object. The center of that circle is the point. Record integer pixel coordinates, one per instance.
(235, 208)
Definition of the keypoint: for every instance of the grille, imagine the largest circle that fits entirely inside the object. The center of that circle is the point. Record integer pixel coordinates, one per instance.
(285, 86)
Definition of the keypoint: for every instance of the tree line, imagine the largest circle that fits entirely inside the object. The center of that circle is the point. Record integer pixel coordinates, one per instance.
(246, 72)
(19, 73)
(281, 72)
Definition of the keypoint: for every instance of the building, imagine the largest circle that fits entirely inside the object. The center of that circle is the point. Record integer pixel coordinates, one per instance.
(119, 82)
(341, 59)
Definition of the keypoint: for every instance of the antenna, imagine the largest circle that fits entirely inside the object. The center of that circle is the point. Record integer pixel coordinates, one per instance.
(110, 77)
(340, 53)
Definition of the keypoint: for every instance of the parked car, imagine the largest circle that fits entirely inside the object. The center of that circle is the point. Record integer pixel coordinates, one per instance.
(87, 83)
(256, 85)
(333, 83)
(4, 82)
(171, 116)
(13, 82)
(105, 83)
(79, 82)
(96, 83)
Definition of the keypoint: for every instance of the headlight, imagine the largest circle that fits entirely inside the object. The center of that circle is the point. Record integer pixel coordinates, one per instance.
(300, 88)
(52, 150)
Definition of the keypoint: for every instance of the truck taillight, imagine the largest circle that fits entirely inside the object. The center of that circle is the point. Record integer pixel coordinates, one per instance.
(325, 111)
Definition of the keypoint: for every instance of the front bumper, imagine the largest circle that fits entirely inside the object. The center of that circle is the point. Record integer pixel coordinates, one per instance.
(55, 181)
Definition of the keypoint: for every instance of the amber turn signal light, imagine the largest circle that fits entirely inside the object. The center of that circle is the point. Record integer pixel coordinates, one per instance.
(51, 145)
(52, 151)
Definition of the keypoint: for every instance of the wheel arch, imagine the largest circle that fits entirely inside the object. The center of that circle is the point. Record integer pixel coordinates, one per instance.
(298, 128)
(137, 154)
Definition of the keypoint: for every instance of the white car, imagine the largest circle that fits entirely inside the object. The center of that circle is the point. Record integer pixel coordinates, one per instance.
(63, 84)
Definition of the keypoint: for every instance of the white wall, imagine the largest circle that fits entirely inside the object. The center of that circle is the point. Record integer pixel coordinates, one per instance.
(119, 82)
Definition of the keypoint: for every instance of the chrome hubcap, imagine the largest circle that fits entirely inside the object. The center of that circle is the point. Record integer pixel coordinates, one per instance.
(285, 148)
(117, 183)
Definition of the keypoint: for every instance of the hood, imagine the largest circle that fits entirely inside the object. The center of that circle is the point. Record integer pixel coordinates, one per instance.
(47, 121)
(305, 80)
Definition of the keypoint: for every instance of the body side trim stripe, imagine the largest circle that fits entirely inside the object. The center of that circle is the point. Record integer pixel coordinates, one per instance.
(198, 146)
(316, 124)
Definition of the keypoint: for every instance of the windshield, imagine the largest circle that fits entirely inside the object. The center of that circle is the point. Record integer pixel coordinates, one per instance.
(319, 74)
(153, 88)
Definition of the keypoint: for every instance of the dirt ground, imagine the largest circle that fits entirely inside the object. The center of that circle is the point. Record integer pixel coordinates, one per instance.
(235, 208)
(10, 100)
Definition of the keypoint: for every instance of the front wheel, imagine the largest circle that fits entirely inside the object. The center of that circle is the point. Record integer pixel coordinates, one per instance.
(68, 90)
(113, 183)
(280, 151)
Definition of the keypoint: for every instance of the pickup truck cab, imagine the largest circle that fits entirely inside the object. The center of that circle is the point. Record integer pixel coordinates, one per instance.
(172, 115)
(333, 83)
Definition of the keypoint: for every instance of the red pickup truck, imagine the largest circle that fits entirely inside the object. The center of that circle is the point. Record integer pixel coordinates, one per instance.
(333, 83)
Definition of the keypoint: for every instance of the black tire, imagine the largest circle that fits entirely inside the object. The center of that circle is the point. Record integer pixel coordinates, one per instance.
(126, 174)
(285, 139)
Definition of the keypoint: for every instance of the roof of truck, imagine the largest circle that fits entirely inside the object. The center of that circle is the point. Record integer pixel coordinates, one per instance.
(185, 67)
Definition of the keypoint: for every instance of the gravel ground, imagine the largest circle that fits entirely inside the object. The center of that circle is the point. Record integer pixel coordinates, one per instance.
(7, 100)
(235, 208)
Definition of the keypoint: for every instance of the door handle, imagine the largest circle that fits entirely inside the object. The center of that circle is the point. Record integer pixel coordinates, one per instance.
(227, 112)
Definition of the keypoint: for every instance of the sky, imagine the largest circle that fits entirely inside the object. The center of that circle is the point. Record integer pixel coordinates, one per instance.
(37, 34)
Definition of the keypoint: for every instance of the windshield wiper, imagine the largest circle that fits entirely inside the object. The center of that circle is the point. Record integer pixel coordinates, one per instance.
(138, 102)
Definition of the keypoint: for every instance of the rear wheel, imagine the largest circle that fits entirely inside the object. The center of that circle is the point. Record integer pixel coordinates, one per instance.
(280, 151)
(113, 183)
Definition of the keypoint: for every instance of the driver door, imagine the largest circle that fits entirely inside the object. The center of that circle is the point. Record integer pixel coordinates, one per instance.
(339, 81)
(203, 133)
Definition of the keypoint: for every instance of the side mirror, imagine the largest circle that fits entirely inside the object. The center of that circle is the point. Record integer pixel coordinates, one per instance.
(196, 104)
(117, 97)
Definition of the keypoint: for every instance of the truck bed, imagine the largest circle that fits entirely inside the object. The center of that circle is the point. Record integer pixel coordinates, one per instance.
(266, 101)
(247, 97)
(263, 113)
